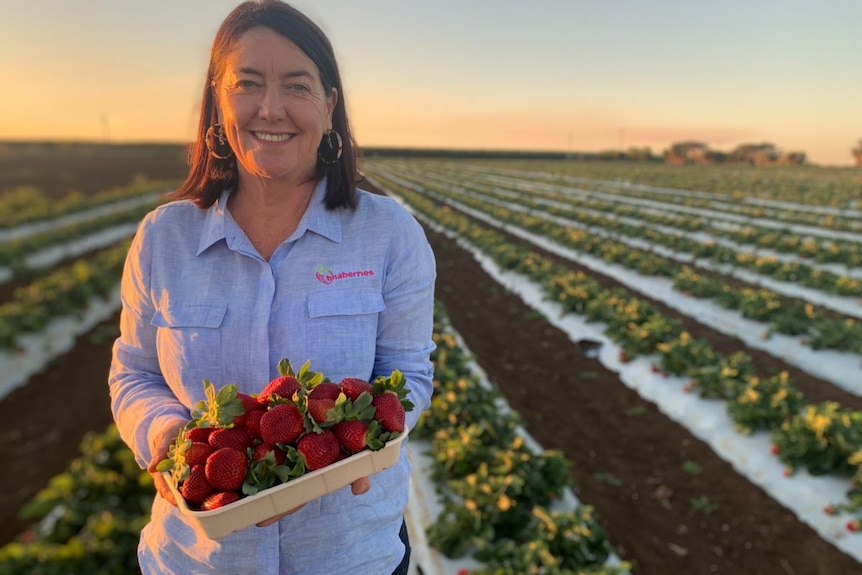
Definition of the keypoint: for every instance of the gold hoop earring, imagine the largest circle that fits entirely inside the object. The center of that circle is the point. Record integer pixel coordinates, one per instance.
(216, 143)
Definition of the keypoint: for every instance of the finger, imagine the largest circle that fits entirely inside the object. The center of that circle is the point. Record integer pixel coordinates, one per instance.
(163, 489)
(360, 486)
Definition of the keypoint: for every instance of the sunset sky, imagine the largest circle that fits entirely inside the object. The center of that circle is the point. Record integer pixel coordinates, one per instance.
(577, 75)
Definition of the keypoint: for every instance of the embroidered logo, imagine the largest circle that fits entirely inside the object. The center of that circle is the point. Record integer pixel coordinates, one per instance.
(326, 276)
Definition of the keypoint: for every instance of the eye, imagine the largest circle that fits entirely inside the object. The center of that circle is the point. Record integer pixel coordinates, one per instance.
(299, 88)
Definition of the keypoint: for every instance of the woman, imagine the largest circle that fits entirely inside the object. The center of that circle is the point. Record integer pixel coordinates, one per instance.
(253, 263)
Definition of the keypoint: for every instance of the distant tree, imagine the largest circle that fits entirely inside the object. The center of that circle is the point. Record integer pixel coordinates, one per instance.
(639, 154)
(857, 153)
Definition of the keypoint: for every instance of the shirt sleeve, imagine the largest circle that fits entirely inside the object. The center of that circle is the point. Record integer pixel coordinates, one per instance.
(141, 402)
(404, 337)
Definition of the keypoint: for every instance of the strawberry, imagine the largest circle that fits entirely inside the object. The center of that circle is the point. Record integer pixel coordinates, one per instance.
(283, 386)
(325, 390)
(390, 401)
(197, 453)
(355, 435)
(353, 386)
(281, 424)
(389, 411)
(321, 399)
(220, 499)
(319, 449)
(236, 437)
(248, 404)
(196, 488)
(201, 434)
(252, 422)
(261, 449)
(226, 468)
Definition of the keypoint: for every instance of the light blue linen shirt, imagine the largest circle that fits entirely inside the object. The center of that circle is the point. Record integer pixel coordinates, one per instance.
(349, 290)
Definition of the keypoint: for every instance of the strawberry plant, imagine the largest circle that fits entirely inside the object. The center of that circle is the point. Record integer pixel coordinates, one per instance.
(89, 517)
(821, 439)
(764, 404)
(724, 378)
(684, 355)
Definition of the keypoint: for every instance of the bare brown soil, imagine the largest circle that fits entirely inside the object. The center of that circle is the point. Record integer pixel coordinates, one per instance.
(57, 169)
(628, 459)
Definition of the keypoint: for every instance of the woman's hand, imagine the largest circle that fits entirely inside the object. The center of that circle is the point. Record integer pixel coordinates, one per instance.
(159, 451)
(358, 487)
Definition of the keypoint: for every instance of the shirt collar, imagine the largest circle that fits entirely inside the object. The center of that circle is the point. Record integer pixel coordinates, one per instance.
(317, 219)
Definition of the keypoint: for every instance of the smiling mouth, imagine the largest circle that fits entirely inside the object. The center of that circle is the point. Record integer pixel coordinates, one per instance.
(272, 137)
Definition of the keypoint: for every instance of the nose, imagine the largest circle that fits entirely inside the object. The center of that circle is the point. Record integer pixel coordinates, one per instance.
(272, 102)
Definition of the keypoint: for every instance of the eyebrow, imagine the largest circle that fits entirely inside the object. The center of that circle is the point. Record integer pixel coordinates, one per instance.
(293, 74)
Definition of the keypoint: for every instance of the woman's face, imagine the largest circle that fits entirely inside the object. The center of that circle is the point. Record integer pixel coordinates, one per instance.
(273, 107)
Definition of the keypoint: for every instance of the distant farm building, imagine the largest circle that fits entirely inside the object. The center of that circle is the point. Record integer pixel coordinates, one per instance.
(688, 153)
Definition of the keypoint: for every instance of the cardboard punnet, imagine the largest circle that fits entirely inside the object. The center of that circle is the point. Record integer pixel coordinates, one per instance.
(282, 498)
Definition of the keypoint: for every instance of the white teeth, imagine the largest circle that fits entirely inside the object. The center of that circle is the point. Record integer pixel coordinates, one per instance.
(272, 137)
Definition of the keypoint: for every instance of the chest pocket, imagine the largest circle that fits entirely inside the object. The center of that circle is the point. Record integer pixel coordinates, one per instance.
(189, 343)
(342, 329)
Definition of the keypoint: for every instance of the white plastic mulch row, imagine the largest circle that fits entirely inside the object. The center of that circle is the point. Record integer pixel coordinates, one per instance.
(36, 350)
(56, 253)
(705, 212)
(803, 494)
(27, 230)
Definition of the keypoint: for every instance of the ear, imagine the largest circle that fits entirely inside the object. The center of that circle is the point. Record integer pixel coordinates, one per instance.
(331, 102)
(215, 103)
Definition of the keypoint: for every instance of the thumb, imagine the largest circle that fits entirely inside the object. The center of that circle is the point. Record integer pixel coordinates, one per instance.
(360, 486)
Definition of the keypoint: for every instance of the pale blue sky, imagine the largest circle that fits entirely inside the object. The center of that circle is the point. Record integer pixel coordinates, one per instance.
(540, 74)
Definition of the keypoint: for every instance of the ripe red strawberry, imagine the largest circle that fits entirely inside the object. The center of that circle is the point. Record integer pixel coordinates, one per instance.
(220, 499)
(388, 411)
(261, 449)
(195, 487)
(353, 386)
(226, 468)
(248, 404)
(321, 399)
(281, 424)
(283, 386)
(319, 449)
(238, 438)
(197, 453)
(199, 434)
(325, 390)
(252, 422)
(355, 435)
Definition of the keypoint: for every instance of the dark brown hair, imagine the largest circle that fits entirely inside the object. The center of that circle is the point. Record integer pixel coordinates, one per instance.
(209, 176)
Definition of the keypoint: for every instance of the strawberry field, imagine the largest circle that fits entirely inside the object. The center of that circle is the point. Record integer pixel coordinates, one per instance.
(684, 342)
